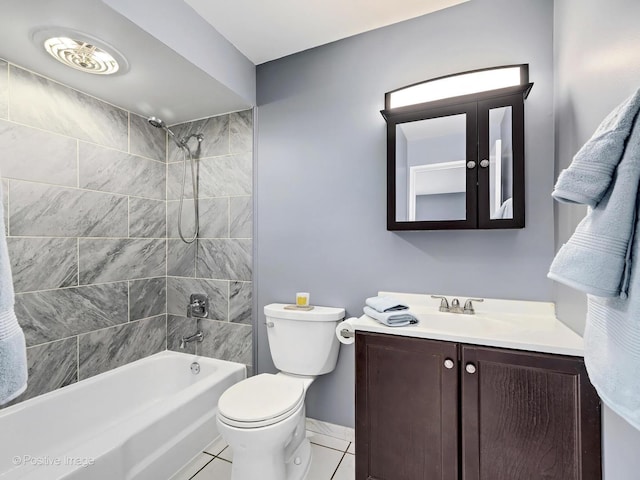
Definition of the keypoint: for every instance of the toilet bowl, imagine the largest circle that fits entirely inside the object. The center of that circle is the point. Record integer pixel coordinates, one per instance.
(262, 418)
(263, 421)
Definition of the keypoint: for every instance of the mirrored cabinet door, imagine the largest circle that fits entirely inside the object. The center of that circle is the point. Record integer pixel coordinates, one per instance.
(434, 165)
(501, 172)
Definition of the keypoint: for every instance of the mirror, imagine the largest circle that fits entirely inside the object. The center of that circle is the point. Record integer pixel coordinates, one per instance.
(431, 169)
(501, 163)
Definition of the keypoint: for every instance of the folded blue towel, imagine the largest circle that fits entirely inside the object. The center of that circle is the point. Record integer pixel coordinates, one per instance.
(392, 319)
(13, 353)
(383, 303)
(598, 258)
(604, 175)
(588, 177)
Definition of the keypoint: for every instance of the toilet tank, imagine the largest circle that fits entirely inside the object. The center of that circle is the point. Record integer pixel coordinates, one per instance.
(303, 342)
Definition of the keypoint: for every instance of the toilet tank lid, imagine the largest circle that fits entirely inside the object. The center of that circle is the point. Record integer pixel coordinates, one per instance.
(318, 314)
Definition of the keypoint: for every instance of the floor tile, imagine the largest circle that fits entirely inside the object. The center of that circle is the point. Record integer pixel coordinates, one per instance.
(352, 448)
(324, 462)
(226, 454)
(346, 469)
(216, 446)
(327, 441)
(217, 469)
(192, 468)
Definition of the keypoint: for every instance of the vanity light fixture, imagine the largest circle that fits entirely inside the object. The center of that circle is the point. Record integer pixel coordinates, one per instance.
(459, 84)
(80, 51)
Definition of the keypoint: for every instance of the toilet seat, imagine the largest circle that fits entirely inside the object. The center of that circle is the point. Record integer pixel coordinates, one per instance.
(260, 401)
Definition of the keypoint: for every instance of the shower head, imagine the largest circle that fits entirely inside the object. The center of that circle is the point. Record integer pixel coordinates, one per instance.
(156, 122)
(159, 123)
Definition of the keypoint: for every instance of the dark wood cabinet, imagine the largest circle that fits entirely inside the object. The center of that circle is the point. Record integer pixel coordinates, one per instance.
(457, 162)
(436, 410)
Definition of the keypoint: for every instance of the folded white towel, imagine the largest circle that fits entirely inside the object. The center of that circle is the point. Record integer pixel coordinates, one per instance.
(384, 303)
(392, 319)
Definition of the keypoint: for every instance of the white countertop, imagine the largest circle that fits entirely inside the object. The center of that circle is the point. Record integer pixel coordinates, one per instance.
(520, 325)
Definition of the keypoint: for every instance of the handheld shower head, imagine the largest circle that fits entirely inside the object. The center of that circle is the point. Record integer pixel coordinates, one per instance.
(156, 122)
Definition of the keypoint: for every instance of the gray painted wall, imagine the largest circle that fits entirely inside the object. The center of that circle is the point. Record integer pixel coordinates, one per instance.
(597, 66)
(204, 46)
(321, 174)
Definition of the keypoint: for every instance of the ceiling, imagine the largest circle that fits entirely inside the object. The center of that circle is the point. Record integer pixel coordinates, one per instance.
(162, 82)
(159, 82)
(266, 30)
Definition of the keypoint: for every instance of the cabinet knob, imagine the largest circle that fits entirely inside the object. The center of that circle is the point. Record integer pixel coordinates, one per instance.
(448, 363)
(471, 164)
(470, 368)
(484, 163)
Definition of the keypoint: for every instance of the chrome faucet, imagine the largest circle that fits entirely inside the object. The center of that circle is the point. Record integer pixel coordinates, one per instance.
(468, 305)
(196, 337)
(198, 306)
(444, 303)
(455, 305)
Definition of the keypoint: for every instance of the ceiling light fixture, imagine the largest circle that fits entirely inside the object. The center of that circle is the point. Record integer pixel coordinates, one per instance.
(80, 51)
(81, 55)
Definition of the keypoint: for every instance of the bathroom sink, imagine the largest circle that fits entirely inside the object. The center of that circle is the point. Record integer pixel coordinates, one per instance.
(464, 324)
(523, 325)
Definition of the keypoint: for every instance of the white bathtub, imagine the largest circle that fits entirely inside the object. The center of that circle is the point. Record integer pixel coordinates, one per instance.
(141, 421)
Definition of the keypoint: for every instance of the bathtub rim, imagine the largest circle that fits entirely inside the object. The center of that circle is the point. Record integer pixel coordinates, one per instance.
(87, 382)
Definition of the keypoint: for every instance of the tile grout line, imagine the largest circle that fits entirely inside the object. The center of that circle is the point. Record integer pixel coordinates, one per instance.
(338, 466)
(78, 357)
(78, 261)
(193, 477)
(93, 331)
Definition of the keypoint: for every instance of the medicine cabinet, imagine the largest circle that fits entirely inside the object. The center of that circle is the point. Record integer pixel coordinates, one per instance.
(455, 151)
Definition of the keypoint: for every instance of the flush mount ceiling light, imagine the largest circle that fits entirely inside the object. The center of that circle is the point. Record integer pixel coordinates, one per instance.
(460, 84)
(81, 55)
(81, 51)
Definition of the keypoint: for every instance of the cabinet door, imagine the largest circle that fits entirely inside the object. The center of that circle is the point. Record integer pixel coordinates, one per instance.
(528, 416)
(501, 166)
(432, 173)
(406, 408)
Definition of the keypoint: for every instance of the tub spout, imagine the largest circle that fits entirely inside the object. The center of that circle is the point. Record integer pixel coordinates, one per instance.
(197, 337)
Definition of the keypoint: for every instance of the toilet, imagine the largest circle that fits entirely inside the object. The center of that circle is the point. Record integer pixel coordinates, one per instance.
(262, 418)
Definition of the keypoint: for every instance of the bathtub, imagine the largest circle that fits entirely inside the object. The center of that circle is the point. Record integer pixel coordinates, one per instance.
(142, 421)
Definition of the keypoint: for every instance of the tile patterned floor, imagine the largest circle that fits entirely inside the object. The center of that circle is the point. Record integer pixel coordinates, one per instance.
(332, 459)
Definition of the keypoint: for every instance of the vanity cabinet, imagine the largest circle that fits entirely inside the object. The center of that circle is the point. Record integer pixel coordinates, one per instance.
(435, 410)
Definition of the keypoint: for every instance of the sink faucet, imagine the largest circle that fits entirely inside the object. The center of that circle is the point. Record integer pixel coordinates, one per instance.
(455, 305)
(196, 337)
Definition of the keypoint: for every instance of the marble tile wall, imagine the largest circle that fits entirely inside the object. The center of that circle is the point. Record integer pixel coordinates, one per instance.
(220, 265)
(90, 196)
(84, 191)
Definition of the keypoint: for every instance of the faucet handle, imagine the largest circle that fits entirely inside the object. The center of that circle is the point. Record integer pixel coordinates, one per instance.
(444, 303)
(468, 305)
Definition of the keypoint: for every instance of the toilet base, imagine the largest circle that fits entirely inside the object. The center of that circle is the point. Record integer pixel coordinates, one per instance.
(275, 452)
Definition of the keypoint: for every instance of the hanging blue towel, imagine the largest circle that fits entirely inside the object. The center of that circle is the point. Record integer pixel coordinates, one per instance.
(383, 303)
(13, 353)
(602, 257)
(400, 318)
(604, 175)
